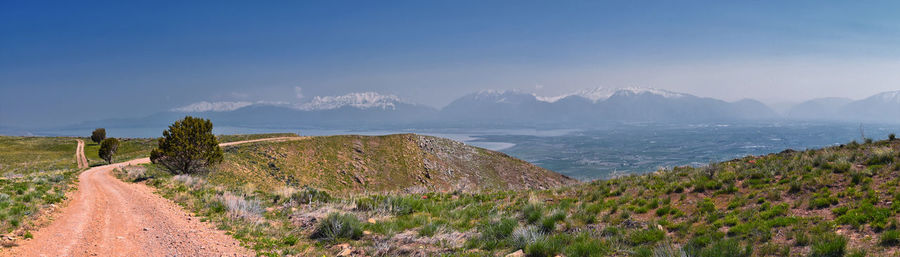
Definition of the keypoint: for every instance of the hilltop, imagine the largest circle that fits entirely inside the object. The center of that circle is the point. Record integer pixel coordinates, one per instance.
(391, 163)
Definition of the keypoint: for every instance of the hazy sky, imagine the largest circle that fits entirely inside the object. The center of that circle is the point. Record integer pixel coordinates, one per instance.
(69, 61)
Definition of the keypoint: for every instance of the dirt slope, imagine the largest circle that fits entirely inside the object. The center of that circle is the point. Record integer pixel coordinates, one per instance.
(107, 217)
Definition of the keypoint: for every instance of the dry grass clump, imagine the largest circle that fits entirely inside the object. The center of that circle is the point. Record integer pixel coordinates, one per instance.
(239, 207)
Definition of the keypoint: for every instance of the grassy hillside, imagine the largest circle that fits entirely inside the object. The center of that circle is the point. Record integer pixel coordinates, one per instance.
(242, 137)
(129, 149)
(25, 155)
(837, 201)
(395, 163)
(35, 174)
(134, 148)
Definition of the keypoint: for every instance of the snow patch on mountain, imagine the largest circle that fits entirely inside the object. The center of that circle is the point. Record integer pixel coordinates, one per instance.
(887, 97)
(499, 96)
(602, 93)
(654, 91)
(549, 99)
(205, 106)
(363, 100)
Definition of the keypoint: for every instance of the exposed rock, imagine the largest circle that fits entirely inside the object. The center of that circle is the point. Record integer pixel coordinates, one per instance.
(518, 253)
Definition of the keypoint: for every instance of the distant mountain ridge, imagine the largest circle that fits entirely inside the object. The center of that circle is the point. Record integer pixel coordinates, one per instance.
(599, 105)
(882, 107)
(498, 108)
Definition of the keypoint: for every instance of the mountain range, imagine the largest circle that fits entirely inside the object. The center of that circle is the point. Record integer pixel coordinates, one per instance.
(492, 108)
(882, 107)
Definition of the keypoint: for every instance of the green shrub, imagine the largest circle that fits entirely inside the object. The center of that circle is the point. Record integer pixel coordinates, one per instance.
(524, 236)
(880, 158)
(829, 245)
(542, 248)
(308, 195)
(290, 240)
(187, 147)
(822, 200)
(665, 210)
(890, 238)
(864, 214)
(639, 237)
(108, 149)
(728, 247)
(857, 253)
(585, 245)
(892, 137)
(548, 224)
(98, 135)
(397, 205)
(801, 238)
(338, 226)
(532, 213)
(429, 229)
(216, 207)
(496, 233)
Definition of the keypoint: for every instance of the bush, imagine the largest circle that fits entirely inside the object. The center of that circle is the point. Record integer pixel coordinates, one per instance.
(892, 137)
(532, 213)
(548, 224)
(857, 253)
(706, 206)
(639, 237)
(188, 146)
(880, 158)
(542, 248)
(822, 200)
(865, 213)
(310, 195)
(429, 229)
(524, 236)
(890, 238)
(586, 246)
(668, 250)
(98, 135)
(338, 226)
(241, 208)
(496, 233)
(829, 245)
(728, 247)
(396, 205)
(108, 148)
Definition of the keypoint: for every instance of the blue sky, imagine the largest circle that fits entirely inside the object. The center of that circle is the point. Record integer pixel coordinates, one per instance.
(67, 61)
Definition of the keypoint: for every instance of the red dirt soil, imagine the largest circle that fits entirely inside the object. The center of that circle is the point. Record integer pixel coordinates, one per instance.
(108, 217)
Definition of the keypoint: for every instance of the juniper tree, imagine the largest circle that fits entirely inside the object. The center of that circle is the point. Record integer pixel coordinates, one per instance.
(108, 148)
(187, 147)
(98, 135)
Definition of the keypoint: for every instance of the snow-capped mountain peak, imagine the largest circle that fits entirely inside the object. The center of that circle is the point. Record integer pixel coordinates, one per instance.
(205, 106)
(499, 96)
(363, 100)
(643, 90)
(602, 93)
(888, 97)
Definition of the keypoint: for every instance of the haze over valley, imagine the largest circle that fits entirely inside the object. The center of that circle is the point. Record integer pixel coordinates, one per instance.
(450, 128)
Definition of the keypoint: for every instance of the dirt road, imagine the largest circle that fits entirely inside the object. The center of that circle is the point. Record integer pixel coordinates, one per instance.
(79, 155)
(108, 217)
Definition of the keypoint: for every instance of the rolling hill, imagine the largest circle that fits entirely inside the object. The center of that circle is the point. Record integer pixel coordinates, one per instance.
(392, 163)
